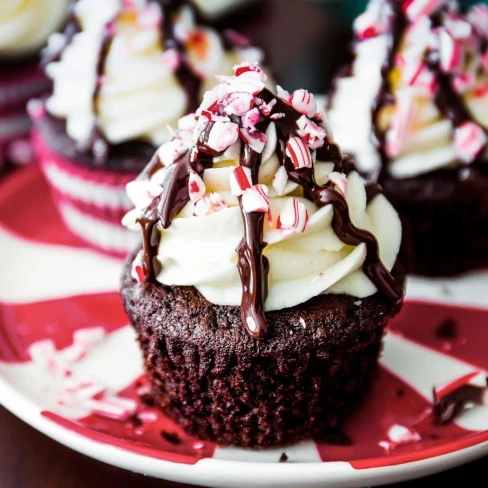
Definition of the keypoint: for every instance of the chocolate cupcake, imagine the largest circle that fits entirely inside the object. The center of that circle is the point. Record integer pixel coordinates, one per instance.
(263, 288)
(413, 110)
(122, 73)
(24, 29)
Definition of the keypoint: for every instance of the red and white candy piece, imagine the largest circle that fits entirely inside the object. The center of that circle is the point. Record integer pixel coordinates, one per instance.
(369, 25)
(280, 180)
(469, 140)
(240, 180)
(401, 124)
(267, 108)
(417, 74)
(255, 199)
(251, 118)
(293, 217)
(458, 27)
(249, 78)
(171, 151)
(239, 104)
(400, 435)
(256, 140)
(311, 133)
(142, 193)
(112, 408)
(249, 70)
(223, 135)
(91, 336)
(202, 207)
(304, 102)
(298, 152)
(415, 9)
(339, 180)
(451, 53)
(188, 122)
(283, 94)
(137, 270)
(217, 202)
(478, 18)
(196, 186)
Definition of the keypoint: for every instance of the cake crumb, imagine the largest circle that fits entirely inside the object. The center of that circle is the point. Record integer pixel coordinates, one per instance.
(284, 458)
(171, 437)
(447, 330)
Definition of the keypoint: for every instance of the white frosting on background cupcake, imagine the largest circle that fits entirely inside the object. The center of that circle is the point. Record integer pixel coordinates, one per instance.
(419, 137)
(140, 94)
(26, 24)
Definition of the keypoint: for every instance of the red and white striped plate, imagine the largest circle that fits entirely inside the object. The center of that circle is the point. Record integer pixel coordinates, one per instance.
(84, 397)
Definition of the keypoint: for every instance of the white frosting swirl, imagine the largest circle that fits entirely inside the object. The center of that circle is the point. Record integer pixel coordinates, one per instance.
(26, 24)
(140, 94)
(201, 251)
(428, 144)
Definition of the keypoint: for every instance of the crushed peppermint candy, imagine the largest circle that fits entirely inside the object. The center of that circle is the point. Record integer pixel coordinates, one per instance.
(298, 152)
(469, 140)
(240, 180)
(255, 199)
(293, 217)
(196, 186)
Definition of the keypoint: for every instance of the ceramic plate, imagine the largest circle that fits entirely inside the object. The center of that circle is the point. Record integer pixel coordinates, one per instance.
(69, 366)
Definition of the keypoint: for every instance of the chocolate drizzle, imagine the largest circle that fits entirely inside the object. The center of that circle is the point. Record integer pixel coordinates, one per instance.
(448, 407)
(253, 266)
(190, 82)
(450, 103)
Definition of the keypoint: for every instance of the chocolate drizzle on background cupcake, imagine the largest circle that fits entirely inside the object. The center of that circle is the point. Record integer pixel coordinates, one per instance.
(243, 108)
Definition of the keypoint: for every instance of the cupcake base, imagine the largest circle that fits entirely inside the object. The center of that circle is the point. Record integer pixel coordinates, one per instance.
(220, 385)
(445, 220)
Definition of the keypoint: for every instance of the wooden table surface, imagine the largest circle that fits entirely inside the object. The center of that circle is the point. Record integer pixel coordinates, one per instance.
(306, 41)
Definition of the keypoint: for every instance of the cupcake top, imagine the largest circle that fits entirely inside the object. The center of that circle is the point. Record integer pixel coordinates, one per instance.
(25, 25)
(125, 70)
(416, 99)
(253, 204)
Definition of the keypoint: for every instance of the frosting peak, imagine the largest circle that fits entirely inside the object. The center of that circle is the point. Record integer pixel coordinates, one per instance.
(128, 70)
(253, 204)
(417, 95)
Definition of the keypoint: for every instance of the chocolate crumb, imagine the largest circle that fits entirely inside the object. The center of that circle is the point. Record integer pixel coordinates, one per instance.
(284, 458)
(400, 393)
(447, 330)
(136, 421)
(171, 437)
(147, 399)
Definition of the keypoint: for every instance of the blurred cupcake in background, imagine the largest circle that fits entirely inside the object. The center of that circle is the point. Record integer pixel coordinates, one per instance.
(24, 29)
(123, 74)
(413, 110)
